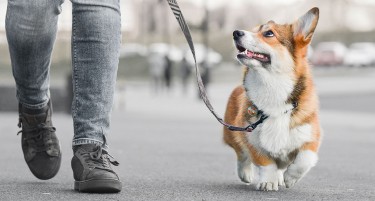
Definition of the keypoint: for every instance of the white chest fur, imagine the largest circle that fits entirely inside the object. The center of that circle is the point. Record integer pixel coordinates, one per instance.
(269, 92)
(275, 136)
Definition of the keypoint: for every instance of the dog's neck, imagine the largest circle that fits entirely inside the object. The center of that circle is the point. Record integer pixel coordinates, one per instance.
(274, 93)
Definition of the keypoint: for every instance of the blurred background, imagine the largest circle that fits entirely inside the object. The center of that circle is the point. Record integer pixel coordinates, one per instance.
(169, 144)
(154, 52)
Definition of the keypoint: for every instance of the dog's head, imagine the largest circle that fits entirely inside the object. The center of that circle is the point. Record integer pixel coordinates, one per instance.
(276, 47)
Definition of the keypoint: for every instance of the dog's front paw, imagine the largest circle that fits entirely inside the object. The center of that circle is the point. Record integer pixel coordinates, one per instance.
(290, 180)
(267, 186)
(292, 175)
(301, 165)
(245, 171)
(268, 178)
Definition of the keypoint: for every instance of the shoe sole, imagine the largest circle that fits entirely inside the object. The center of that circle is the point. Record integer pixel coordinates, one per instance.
(98, 186)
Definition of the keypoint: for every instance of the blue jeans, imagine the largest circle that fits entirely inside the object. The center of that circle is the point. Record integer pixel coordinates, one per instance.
(31, 27)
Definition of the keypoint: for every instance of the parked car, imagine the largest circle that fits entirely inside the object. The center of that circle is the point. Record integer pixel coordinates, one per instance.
(329, 54)
(310, 52)
(360, 54)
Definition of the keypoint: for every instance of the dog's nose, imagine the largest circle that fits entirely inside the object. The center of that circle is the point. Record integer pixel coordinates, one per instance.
(237, 34)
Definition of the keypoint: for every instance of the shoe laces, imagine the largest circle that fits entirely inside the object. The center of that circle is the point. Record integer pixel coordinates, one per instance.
(100, 159)
(35, 135)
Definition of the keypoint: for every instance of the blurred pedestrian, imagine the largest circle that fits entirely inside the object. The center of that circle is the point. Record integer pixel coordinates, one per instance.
(167, 72)
(31, 28)
(185, 71)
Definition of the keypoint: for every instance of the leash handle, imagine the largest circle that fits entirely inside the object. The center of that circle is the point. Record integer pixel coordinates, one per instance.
(202, 90)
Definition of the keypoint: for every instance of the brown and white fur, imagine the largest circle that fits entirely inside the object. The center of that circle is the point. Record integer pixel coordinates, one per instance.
(282, 149)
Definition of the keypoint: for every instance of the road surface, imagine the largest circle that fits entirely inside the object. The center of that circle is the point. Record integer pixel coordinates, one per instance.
(170, 148)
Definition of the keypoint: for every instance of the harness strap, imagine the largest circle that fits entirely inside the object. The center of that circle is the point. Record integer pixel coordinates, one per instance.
(185, 29)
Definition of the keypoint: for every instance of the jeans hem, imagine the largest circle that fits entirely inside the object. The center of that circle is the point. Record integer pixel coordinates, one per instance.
(37, 106)
(82, 141)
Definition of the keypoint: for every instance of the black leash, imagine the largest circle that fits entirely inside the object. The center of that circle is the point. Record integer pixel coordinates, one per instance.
(185, 29)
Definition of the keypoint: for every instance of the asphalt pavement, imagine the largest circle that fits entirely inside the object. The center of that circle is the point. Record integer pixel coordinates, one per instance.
(170, 148)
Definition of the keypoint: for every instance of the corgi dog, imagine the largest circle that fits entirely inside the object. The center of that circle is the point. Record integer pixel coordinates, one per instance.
(277, 83)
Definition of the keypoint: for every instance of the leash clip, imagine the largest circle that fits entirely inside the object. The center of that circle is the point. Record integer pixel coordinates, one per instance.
(249, 129)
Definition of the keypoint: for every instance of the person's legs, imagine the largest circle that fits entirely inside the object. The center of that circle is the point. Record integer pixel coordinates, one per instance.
(96, 41)
(31, 31)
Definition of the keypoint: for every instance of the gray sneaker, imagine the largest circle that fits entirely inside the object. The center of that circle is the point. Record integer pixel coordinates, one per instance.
(40, 145)
(92, 170)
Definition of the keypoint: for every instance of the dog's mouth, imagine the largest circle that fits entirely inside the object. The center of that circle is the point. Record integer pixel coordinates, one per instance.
(245, 53)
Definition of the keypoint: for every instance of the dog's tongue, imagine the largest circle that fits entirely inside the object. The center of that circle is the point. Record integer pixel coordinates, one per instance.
(249, 53)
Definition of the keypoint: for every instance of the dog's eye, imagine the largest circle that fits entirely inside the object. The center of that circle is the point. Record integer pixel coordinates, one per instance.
(268, 33)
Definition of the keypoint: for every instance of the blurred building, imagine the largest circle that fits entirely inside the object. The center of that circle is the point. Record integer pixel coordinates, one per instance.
(140, 18)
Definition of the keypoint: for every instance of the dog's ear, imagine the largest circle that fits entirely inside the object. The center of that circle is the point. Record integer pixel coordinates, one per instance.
(305, 26)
